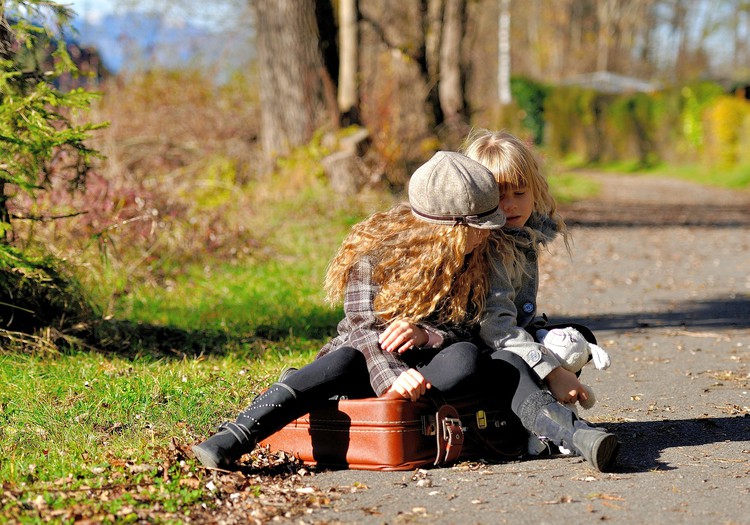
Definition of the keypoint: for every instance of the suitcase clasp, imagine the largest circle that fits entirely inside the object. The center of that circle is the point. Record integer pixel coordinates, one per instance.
(429, 427)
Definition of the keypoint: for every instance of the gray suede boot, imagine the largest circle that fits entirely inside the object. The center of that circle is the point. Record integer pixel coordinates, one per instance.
(268, 412)
(544, 416)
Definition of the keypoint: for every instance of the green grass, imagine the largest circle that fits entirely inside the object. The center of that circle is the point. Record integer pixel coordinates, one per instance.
(570, 187)
(79, 423)
(736, 177)
(104, 435)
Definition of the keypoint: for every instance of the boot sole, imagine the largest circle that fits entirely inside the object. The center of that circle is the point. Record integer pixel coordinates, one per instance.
(605, 453)
(206, 458)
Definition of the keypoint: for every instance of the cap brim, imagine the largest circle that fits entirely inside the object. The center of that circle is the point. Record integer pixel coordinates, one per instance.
(494, 221)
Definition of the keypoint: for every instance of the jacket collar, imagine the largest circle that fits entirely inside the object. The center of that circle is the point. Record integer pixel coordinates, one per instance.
(539, 229)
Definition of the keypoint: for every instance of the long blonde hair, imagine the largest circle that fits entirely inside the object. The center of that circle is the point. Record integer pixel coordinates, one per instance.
(514, 165)
(421, 268)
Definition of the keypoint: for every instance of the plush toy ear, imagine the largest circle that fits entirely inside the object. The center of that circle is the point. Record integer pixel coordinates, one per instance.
(600, 356)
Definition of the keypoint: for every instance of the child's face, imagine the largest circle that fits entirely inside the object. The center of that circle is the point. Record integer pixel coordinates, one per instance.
(517, 203)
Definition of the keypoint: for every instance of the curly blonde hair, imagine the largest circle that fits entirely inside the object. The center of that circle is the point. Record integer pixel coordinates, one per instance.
(514, 165)
(421, 268)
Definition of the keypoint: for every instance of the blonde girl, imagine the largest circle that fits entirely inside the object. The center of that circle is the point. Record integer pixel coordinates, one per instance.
(509, 320)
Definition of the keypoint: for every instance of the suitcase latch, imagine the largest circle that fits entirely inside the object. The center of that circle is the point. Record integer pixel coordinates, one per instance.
(429, 428)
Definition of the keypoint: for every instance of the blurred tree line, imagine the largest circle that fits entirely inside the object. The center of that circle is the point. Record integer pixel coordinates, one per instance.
(418, 74)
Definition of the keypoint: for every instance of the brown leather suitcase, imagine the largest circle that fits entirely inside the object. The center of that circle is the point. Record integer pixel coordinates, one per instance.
(392, 433)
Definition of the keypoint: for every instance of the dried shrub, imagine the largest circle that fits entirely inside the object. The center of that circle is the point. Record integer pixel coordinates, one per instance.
(39, 299)
(178, 156)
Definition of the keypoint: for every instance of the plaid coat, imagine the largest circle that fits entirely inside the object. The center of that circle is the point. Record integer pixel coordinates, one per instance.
(361, 328)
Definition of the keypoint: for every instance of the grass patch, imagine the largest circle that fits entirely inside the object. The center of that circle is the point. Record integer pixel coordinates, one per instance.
(737, 177)
(106, 434)
(101, 430)
(84, 436)
(570, 187)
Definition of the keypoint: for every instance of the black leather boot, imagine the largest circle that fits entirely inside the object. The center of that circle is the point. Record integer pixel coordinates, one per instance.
(268, 412)
(544, 416)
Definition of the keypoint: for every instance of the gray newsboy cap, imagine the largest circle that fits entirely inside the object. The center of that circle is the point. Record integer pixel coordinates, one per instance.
(450, 188)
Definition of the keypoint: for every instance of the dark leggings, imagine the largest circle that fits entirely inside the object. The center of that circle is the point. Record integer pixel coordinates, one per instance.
(506, 374)
(343, 372)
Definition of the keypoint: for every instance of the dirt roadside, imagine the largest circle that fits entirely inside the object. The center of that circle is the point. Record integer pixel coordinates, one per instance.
(660, 270)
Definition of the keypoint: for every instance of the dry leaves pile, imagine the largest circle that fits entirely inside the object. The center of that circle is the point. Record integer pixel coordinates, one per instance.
(270, 485)
(170, 489)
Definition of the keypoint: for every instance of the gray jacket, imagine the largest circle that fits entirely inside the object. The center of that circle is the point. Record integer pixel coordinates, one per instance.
(511, 304)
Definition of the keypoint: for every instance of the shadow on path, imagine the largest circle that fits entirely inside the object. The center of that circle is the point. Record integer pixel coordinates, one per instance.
(707, 314)
(643, 442)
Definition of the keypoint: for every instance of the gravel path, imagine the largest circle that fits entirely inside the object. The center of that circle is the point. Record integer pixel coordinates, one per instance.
(660, 270)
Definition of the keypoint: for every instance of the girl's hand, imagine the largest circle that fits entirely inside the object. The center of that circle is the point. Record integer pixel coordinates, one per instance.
(410, 385)
(565, 386)
(400, 336)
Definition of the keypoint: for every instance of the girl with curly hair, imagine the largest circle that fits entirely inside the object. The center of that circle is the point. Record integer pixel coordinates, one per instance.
(413, 280)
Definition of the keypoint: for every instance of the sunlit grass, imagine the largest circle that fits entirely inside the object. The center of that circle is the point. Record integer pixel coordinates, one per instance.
(79, 424)
(74, 421)
(109, 420)
(737, 177)
(570, 187)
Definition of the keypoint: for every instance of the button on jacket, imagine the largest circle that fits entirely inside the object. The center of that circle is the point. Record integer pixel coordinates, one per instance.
(511, 304)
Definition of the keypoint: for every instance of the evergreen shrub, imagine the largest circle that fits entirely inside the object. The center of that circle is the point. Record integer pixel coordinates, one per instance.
(530, 96)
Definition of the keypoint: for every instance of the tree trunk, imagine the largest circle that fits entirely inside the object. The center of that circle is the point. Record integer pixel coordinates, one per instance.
(293, 78)
(348, 99)
(451, 85)
(605, 18)
(679, 26)
(503, 70)
(433, 28)
(452, 81)
(433, 31)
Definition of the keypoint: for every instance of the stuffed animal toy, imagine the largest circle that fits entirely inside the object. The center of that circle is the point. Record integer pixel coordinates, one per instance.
(569, 345)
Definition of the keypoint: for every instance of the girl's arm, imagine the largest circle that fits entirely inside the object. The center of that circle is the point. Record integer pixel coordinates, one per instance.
(498, 327)
(565, 386)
